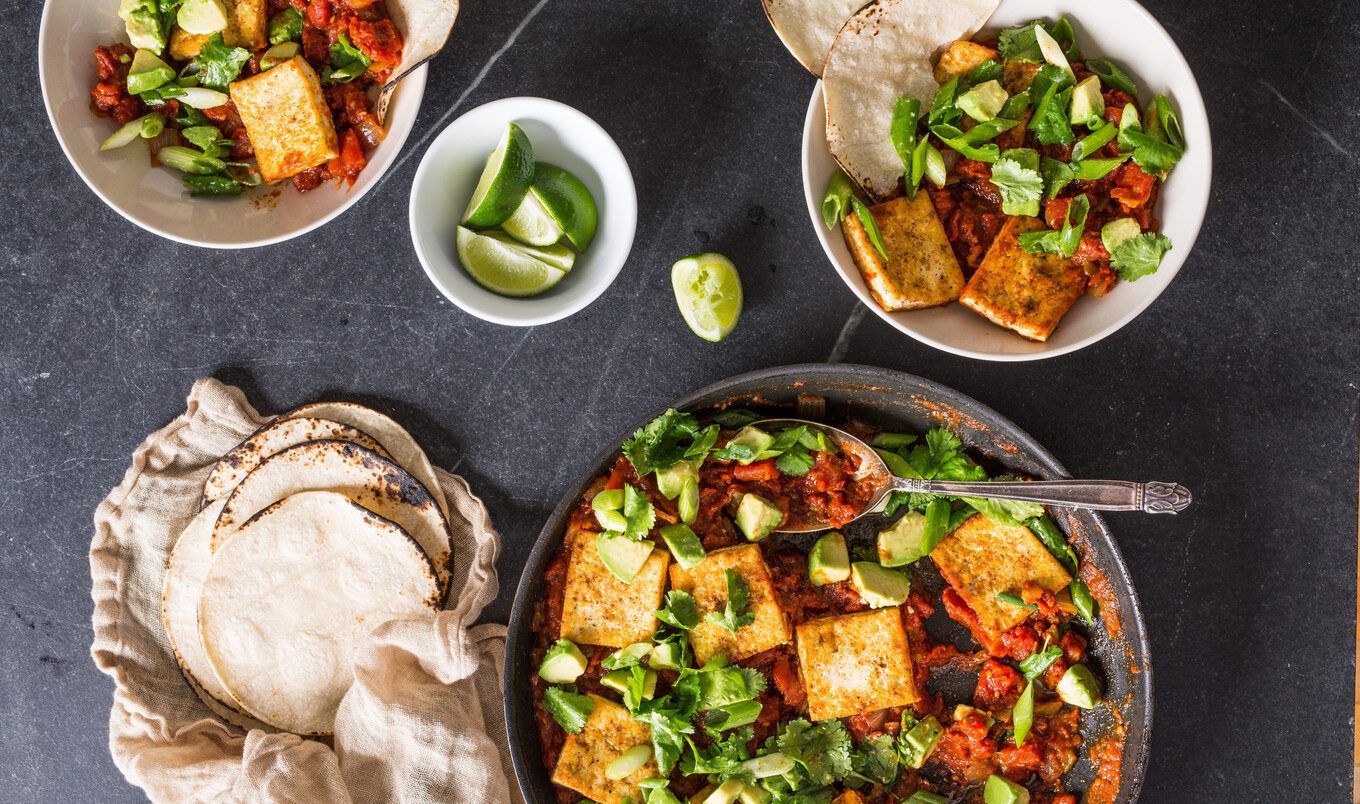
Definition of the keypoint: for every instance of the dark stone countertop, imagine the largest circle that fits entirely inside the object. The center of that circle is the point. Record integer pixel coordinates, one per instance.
(1240, 381)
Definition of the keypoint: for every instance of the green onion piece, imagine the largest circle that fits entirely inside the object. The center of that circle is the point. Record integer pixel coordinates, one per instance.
(202, 97)
(1171, 125)
(935, 165)
(245, 173)
(892, 440)
(187, 160)
(1085, 603)
(918, 167)
(613, 521)
(1129, 118)
(277, 54)
(936, 526)
(1022, 717)
(955, 138)
(732, 715)
(903, 129)
(688, 502)
(1015, 105)
(1054, 541)
(989, 70)
(1092, 169)
(1094, 141)
(1014, 600)
(608, 500)
(1110, 73)
(835, 206)
(144, 127)
(866, 219)
(215, 184)
(957, 518)
(896, 463)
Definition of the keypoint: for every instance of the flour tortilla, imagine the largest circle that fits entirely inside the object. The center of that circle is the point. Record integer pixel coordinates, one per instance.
(808, 27)
(291, 595)
(392, 436)
(425, 27)
(885, 51)
(360, 474)
(270, 439)
(184, 576)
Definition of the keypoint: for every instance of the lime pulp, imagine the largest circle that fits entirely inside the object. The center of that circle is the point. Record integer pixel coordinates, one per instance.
(531, 224)
(708, 292)
(503, 268)
(504, 182)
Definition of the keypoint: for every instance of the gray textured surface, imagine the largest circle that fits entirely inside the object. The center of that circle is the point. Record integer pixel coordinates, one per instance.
(1244, 372)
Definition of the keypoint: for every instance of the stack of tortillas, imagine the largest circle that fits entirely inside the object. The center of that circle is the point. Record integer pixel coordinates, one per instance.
(313, 531)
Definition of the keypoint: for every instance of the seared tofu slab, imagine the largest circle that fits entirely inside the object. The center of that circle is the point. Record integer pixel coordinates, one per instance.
(608, 733)
(287, 119)
(856, 663)
(707, 582)
(961, 58)
(984, 558)
(247, 25)
(1029, 293)
(598, 608)
(921, 269)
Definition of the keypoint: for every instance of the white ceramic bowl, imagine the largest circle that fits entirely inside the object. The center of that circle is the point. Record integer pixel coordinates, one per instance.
(154, 198)
(1120, 30)
(561, 136)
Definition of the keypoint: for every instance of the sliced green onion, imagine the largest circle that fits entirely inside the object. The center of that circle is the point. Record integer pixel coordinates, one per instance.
(935, 165)
(892, 440)
(936, 526)
(611, 520)
(608, 500)
(187, 160)
(144, 127)
(1110, 73)
(730, 716)
(1094, 141)
(215, 184)
(1083, 601)
(1129, 118)
(203, 98)
(866, 219)
(775, 764)
(918, 167)
(903, 129)
(896, 463)
(245, 173)
(1092, 169)
(1014, 600)
(1171, 125)
(688, 502)
(278, 54)
(1054, 541)
(629, 762)
(1022, 717)
(836, 202)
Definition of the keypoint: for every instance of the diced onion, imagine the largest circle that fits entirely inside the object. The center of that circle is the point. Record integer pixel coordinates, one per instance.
(203, 98)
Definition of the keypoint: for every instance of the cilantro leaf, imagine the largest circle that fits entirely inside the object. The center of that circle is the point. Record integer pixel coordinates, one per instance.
(1062, 33)
(639, 512)
(209, 140)
(217, 64)
(734, 418)
(1021, 44)
(734, 615)
(734, 452)
(657, 445)
(569, 709)
(875, 761)
(1007, 512)
(796, 462)
(1036, 663)
(822, 749)
(1151, 154)
(1016, 176)
(681, 611)
(1140, 255)
(723, 757)
(1057, 175)
(347, 63)
(725, 685)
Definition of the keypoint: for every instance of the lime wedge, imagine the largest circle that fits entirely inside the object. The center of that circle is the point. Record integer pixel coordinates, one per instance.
(557, 255)
(505, 179)
(531, 224)
(708, 290)
(568, 201)
(502, 268)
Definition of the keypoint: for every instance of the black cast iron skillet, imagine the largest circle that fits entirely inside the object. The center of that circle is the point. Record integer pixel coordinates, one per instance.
(901, 402)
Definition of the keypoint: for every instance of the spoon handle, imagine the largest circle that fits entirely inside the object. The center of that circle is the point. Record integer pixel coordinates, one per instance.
(1099, 495)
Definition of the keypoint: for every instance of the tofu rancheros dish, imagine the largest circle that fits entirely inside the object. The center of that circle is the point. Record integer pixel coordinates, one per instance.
(1026, 180)
(687, 652)
(214, 83)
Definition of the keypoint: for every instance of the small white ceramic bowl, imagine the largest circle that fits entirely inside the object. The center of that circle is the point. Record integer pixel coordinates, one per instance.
(561, 136)
(1120, 30)
(154, 198)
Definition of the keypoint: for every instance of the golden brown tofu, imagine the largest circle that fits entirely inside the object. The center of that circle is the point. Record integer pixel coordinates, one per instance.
(1017, 75)
(707, 581)
(1029, 293)
(609, 731)
(921, 269)
(287, 119)
(598, 608)
(985, 558)
(961, 58)
(1014, 137)
(856, 663)
(247, 27)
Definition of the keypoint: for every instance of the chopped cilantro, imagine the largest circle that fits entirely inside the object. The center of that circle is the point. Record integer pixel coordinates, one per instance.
(874, 761)
(1016, 176)
(681, 611)
(218, 65)
(1140, 255)
(822, 749)
(1021, 44)
(734, 418)
(1036, 663)
(659, 445)
(1111, 75)
(347, 63)
(569, 709)
(639, 513)
(734, 615)
(1057, 175)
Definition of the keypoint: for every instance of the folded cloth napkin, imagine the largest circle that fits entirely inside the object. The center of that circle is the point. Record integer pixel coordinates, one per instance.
(423, 721)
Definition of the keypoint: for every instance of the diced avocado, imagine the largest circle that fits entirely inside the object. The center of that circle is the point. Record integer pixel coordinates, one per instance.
(904, 541)
(1000, 790)
(144, 26)
(684, 544)
(1088, 105)
(688, 504)
(757, 517)
(671, 481)
(563, 663)
(1079, 687)
(1117, 231)
(984, 101)
(202, 17)
(148, 72)
(617, 680)
(628, 655)
(667, 656)
(829, 561)
(629, 762)
(918, 744)
(726, 793)
(623, 556)
(774, 764)
(755, 438)
(755, 794)
(879, 586)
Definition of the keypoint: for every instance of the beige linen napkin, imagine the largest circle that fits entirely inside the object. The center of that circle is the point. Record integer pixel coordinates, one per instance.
(423, 721)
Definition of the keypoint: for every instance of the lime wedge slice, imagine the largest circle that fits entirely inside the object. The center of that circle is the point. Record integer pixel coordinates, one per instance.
(505, 179)
(531, 224)
(502, 268)
(708, 291)
(568, 201)
(557, 255)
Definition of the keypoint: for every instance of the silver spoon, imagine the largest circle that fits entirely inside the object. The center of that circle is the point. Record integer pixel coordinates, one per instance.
(1097, 495)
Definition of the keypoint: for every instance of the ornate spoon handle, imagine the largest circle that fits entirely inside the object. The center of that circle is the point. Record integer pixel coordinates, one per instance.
(1099, 495)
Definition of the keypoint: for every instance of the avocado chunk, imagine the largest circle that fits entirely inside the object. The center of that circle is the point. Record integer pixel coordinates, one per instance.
(147, 72)
(667, 656)
(1079, 687)
(829, 561)
(984, 101)
(1088, 105)
(563, 663)
(757, 517)
(1117, 231)
(628, 655)
(879, 586)
(904, 541)
(918, 744)
(684, 545)
(751, 436)
(623, 556)
(671, 481)
(755, 794)
(617, 680)
(726, 793)
(145, 28)
(1000, 790)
